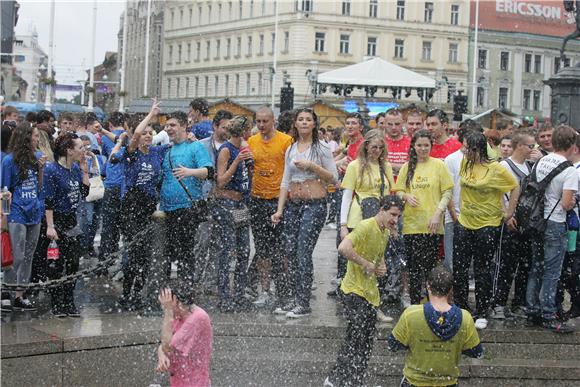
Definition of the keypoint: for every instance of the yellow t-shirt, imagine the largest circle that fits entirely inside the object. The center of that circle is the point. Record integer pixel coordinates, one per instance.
(268, 164)
(367, 186)
(430, 180)
(492, 153)
(431, 361)
(482, 189)
(370, 243)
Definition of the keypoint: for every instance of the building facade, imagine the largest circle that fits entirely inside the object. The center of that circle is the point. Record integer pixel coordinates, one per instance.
(518, 49)
(30, 62)
(224, 49)
(136, 38)
(8, 20)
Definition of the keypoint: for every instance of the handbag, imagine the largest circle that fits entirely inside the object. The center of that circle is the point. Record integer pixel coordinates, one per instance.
(97, 187)
(7, 257)
(241, 216)
(371, 206)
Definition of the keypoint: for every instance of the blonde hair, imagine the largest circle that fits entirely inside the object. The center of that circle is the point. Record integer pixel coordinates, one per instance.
(363, 155)
(44, 146)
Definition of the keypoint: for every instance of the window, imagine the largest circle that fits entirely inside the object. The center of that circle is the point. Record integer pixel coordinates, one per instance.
(304, 5)
(482, 59)
(537, 95)
(527, 96)
(188, 52)
(249, 51)
(537, 64)
(206, 89)
(454, 15)
(480, 97)
(558, 64)
(286, 41)
(218, 48)
(263, 7)
(273, 42)
(196, 87)
(207, 49)
(190, 16)
(251, 8)
(503, 97)
(319, 41)
(400, 9)
(197, 51)
(230, 11)
(186, 87)
(399, 48)
(178, 53)
(228, 47)
(373, 8)
(219, 12)
(261, 49)
(199, 15)
(181, 17)
(371, 46)
(426, 51)
(504, 61)
(344, 43)
(170, 54)
(239, 47)
(178, 88)
(346, 7)
(528, 63)
(215, 85)
(260, 83)
(453, 52)
(209, 14)
(428, 12)
(237, 84)
(172, 19)
(168, 87)
(240, 14)
(248, 83)
(227, 85)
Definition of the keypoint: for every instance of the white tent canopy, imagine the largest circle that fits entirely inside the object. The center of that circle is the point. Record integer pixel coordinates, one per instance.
(376, 72)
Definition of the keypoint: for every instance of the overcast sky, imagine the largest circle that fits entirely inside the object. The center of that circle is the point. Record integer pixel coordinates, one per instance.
(72, 32)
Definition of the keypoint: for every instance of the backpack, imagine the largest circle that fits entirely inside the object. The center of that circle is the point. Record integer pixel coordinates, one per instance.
(529, 212)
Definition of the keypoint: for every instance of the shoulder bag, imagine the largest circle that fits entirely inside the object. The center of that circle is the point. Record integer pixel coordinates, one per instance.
(97, 187)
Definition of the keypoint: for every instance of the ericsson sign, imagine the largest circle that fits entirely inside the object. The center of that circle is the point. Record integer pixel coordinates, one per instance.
(525, 8)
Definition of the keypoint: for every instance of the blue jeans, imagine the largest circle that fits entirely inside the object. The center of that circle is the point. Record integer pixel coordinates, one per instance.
(448, 245)
(88, 218)
(545, 271)
(234, 245)
(303, 222)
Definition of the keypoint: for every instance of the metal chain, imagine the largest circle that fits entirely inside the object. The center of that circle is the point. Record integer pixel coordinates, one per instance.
(92, 271)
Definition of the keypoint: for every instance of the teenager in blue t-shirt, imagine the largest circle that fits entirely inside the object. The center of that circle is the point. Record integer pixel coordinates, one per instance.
(66, 184)
(231, 194)
(22, 172)
(185, 166)
(142, 170)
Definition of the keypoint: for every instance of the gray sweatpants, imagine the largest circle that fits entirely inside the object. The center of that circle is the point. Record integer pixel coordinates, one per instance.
(23, 239)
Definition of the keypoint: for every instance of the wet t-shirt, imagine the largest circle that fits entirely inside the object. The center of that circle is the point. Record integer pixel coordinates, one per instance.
(269, 157)
(27, 203)
(141, 171)
(202, 129)
(62, 188)
(192, 348)
(398, 150)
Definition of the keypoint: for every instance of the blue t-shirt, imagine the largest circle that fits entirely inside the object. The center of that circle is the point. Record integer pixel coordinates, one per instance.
(202, 129)
(188, 155)
(114, 171)
(62, 188)
(142, 171)
(240, 181)
(27, 200)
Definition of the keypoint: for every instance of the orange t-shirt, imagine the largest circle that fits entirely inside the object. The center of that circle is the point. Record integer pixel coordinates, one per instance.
(268, 164)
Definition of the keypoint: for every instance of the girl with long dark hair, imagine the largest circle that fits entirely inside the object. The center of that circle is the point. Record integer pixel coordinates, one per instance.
(22, 174)
(425, 185)
(476, 234)
(66, 184)
(309, 168)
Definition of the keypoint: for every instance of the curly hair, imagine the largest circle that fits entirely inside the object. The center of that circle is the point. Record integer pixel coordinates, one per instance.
(475, 152)
(23, 150)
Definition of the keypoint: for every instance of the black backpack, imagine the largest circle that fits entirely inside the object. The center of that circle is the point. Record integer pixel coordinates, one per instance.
(529, 213)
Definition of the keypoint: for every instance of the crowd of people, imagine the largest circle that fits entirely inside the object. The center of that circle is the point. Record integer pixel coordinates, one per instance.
(405, 196)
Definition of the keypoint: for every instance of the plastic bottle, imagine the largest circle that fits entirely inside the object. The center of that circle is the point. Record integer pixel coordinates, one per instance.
(5, 202)
(53, 253)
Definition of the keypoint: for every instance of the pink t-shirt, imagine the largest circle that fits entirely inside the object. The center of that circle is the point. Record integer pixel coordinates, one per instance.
(440, 151)
(192, 341)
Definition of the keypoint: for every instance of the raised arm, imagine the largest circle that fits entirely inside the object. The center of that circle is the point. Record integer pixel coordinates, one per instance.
(134, 143)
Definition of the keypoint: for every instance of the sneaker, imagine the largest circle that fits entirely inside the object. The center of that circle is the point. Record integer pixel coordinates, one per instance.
(284, 309)
(72, 311)
(22, 304)
(518, 312)
(332, 292)
(383, 317)
(481, 323)
(336, 281)
(299, 311)
(262, 299)
(6, 305)
(327, 382)
(58, 312)
(314, 286)
(251, 293)
(405, 301)
(557, 326)
(498, 313)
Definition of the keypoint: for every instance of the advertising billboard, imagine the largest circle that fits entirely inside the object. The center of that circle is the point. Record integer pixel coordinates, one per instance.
(539, 17)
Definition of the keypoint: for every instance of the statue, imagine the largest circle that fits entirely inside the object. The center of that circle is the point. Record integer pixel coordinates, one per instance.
(575, 10)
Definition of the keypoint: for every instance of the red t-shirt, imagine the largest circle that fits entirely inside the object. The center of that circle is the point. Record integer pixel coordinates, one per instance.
(398, 150)
(352, 150)
(440, 151)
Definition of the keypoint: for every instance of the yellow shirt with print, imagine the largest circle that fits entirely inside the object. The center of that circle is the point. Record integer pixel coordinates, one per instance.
(431, 361)
(367, 186)
(370, 243)
(430, 180)
(482, 190)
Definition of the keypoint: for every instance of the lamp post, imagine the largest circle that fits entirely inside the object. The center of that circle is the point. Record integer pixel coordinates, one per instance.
(48, 96)
(92, 60)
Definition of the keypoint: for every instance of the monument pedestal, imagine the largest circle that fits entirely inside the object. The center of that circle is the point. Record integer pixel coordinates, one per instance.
(566, 97)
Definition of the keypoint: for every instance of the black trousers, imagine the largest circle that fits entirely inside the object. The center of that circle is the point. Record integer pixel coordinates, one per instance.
(39, 264)
(423, 253)
(513, 263)
(356, 350)
(478, 246)
(70, 250)
(570, 280)
(180, 229)
(268, 241)
(136, 208)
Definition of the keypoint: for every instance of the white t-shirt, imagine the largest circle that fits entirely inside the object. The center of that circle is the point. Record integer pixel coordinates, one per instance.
(161, 138)
(453, 163)
(566, 180)
(523, 168)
